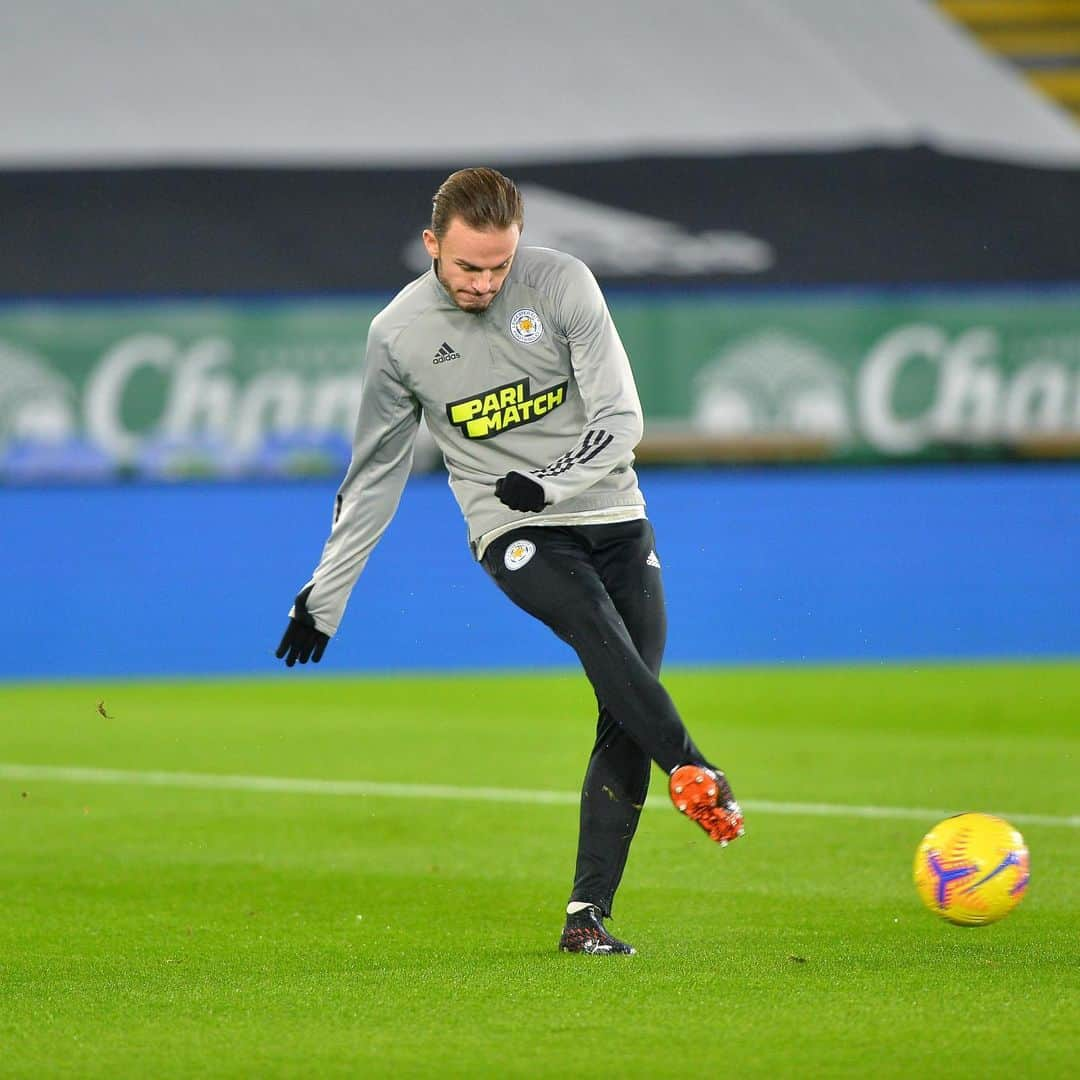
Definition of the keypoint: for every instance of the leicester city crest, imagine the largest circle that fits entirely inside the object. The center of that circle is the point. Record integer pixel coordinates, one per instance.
(526, 327)
(518, 554)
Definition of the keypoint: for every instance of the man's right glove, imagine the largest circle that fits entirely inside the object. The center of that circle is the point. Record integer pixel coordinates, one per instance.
(520, 492)
(301, 641)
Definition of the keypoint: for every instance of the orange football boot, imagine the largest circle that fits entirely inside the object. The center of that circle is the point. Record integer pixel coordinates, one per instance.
(704, 795)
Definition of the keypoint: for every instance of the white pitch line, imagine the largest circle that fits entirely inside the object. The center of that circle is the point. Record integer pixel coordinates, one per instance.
(378, 789)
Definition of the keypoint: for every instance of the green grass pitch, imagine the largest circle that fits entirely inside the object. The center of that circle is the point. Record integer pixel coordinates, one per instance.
(169, 931)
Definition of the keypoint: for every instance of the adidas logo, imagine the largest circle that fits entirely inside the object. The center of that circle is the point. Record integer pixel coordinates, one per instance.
(445, 353)
(652, 560)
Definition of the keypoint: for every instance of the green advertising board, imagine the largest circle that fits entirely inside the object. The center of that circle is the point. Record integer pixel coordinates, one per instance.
(864, 377)
(234, 388)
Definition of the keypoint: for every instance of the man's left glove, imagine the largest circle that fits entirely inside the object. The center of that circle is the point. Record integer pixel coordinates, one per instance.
(301, 641)
(519, 492)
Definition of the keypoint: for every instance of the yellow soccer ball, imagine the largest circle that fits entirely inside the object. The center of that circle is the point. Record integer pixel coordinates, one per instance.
(972, 869)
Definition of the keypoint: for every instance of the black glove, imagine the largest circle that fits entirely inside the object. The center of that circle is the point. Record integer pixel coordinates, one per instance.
(301, 640)
(519, 492)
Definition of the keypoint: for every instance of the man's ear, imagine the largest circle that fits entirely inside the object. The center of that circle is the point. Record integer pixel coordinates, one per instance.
(431, 243)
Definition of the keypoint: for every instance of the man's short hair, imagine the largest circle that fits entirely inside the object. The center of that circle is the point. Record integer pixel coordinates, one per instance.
(483, 199)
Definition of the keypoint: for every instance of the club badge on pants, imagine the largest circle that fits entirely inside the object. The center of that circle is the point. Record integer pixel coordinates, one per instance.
(518, 554)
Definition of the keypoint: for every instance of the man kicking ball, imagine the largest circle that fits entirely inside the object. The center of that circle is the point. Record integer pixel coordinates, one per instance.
(511, 356)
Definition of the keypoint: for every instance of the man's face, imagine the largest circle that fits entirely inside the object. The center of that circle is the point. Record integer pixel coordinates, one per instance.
(473, 263)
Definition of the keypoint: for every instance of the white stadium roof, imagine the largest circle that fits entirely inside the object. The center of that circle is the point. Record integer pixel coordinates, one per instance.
(335, 81)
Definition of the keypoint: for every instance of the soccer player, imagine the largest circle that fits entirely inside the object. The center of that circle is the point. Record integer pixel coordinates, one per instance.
(511, 356)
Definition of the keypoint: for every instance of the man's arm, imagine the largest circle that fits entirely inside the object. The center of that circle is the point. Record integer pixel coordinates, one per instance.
(366, 501)
(613, 423)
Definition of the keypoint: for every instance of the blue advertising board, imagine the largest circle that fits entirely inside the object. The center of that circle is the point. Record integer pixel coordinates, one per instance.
(761, 565)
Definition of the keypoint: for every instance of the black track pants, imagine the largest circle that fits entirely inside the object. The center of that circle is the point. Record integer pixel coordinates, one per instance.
(597, 588)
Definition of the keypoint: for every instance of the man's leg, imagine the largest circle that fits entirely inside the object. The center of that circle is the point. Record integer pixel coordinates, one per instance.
(612, 795)
(617, 778)
(702, 794)
(581, 582)
(559, 585)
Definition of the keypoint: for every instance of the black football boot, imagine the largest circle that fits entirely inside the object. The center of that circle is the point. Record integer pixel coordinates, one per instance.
(584, 933)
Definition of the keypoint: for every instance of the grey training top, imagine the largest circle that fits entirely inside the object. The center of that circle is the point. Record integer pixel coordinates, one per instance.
(539, 382)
